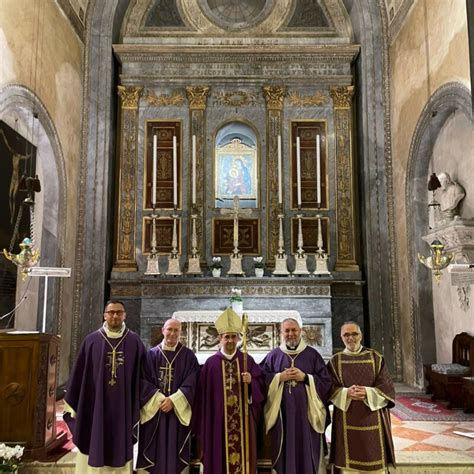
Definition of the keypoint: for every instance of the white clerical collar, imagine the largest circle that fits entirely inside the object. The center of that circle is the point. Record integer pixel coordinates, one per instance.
(164, 347)
(349, 352)
(299, 348)
(113, 334)
(227, 356)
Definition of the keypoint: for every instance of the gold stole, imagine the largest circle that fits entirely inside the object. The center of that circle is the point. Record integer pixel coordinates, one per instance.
(233, 417)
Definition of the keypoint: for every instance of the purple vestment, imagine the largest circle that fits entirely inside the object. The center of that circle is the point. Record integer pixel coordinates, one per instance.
(296, 446)
(216, 399)
(106, 402)
(164, 445)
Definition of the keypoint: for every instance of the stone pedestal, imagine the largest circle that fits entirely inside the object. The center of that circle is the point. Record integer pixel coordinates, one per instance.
(235, 265)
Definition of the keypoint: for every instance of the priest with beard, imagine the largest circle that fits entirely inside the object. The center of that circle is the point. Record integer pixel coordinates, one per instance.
(295, 412)
(221, 405)
(102, 398)
(169, 380)
(362, 393)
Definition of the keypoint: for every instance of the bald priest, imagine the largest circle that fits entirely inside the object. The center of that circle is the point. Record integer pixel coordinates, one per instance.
(221, 404)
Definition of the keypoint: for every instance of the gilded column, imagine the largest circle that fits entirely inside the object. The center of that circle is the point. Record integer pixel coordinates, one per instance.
(346, 258)
(274, 98)
(127, 187)
(197, 98)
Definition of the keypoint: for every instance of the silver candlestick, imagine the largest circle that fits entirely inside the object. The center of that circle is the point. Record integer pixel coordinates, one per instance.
(194, 266)
(301, 267)
(321, 255)
(281, 267)
(152, 263)
(173, 258)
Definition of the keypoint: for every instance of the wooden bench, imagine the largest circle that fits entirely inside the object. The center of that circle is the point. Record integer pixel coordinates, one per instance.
(447, 379)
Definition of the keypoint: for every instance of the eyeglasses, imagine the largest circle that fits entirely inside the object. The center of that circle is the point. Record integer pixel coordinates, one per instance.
(119, 312)
(350, 334)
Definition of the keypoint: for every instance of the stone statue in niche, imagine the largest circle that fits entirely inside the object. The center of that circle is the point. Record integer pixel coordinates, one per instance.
(449, 196)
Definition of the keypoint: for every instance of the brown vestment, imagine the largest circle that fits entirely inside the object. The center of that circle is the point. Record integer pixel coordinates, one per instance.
(361, 438)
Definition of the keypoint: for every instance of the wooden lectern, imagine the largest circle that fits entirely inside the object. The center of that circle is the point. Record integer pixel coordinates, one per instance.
(28, 371)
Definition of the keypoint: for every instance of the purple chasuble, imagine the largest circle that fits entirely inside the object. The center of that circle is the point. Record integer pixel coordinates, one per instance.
(219, 413)
(296, 446)
(164, 444)
(105, 397)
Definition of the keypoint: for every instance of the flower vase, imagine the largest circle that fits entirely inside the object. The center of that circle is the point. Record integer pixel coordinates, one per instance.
(216, 272)
(259, 272)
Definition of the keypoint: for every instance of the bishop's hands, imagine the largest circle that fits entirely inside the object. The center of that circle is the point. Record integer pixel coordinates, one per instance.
(166, 405)
(246, 377)
(292, 373)
(357, 392)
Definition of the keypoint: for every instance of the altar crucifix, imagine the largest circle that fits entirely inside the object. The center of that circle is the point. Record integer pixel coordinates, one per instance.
(236, 257)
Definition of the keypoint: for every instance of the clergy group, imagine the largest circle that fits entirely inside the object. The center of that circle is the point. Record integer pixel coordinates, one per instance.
(226, 412)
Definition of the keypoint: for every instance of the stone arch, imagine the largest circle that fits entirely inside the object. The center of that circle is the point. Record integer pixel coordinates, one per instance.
(19, 102)
(449, 98)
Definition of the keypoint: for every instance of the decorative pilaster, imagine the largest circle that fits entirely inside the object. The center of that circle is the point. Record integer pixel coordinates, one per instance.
(274, 98)
(126, 218)
(197, 98)
(346, 258)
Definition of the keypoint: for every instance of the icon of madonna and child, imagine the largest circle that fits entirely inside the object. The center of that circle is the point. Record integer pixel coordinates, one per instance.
(236, 176)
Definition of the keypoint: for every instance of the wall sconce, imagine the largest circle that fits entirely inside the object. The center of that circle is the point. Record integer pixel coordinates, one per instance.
(438, 260)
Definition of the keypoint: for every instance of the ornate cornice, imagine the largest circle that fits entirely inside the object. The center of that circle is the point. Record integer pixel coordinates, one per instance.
(274, 96)
(197, 97)
(131, 53)
(342, 96)
(130, 96)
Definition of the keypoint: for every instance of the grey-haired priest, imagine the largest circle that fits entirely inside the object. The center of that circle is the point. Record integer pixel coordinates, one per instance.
(295, 412)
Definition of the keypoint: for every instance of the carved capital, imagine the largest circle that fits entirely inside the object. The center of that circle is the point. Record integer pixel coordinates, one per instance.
(342, 96)
(274, 96)
(197, 97)
(129, 96)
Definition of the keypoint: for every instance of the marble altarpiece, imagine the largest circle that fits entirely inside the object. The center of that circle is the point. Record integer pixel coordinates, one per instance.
(278, 93)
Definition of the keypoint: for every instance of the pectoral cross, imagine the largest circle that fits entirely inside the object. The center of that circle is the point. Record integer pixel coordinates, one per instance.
(291, 383)
(166, 375)
(115, 359)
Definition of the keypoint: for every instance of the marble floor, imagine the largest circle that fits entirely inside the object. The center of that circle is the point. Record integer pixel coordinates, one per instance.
(421, 447)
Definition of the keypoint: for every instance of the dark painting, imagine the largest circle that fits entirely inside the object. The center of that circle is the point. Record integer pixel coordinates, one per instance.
(17, 158)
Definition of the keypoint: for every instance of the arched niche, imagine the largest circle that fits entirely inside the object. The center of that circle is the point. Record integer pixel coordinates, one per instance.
(446, 101)
(17, 104)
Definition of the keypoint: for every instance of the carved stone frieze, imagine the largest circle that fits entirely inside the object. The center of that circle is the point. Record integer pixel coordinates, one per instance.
(313, 335)
(346, 245)
(209, 288)
(234, 99)
(297, 100)
(464, 294)
(125, 238)
(130, 96)
(175, 99)
(274, 96)
(197, 97)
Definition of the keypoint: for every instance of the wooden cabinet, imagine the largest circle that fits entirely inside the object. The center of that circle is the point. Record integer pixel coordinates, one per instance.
(28, 370)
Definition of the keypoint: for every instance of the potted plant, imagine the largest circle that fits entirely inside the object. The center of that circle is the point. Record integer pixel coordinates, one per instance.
(216, 266)
(236, 302)
(258, 265)
(10, 457)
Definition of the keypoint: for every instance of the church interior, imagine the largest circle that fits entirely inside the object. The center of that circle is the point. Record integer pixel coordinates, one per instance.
(164, 152)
